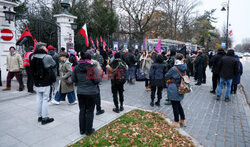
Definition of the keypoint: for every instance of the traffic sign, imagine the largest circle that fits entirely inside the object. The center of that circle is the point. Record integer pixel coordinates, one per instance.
(6, 34)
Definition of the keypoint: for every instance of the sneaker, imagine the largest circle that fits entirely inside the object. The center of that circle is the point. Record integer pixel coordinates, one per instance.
(152, 104)
(168, 103)
(227, 99)
(5, 89)
(218, 97)
(55, 102)
(47, 120)
(100, 112)
(91, 132)
(21, 89)
(75, 102)
(121, 108)
(33, 91)
(198, 84)
(157, 104)
(116, 110)
(40, 119)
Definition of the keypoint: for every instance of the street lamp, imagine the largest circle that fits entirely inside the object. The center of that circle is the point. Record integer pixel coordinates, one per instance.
(226, 9)
(73, 26)
(9, 15)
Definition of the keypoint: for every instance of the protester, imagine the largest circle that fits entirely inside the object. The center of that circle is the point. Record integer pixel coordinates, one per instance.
(171, 58)
(118, 70)
(189, 64)
(157, 80)
(215, 60)
(199, 66)
(73, 59)
(14, 68)
(145, 69)
(66, 87)
(63, 49)
(99, 109)
(130, 60)
(84, 75)
(55, 56)
(26, 65)
(228, 69)
(99, 58)
(236, 79)
(172, 91)
(42, 66)
(206, 62)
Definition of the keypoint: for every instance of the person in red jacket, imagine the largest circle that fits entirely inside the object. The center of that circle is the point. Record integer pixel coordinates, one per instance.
(26, 65)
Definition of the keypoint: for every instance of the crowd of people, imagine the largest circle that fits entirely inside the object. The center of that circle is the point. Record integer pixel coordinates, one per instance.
(86, 70)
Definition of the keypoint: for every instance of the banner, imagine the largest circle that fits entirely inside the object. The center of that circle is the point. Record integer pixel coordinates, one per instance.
(115, 45)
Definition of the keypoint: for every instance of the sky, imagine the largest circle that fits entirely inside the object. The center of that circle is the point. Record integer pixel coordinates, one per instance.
(239, 17)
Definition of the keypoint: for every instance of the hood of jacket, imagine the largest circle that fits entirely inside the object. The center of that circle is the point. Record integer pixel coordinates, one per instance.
(51, 52)
(182, 67)
(84, 66)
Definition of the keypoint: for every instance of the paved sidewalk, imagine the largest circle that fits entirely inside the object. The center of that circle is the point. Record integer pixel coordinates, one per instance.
(211, 122)
(19, 126)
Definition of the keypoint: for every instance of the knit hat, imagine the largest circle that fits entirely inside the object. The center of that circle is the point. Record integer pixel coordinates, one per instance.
(50, 47)
(40, 44)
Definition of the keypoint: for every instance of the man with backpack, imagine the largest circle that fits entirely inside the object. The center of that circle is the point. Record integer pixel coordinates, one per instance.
(117, 70)
(42, 66)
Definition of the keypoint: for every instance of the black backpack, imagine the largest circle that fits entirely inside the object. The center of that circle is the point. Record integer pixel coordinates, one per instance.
(40, 74)
(72, 59)
(120, 74)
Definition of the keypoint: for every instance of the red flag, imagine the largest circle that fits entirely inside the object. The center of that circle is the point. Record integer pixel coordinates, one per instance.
(83, 31)
(25, 36)
(97, 43)
(231, 33)
(104, 44)
(91, 41)
(101, 39)
(35, 42)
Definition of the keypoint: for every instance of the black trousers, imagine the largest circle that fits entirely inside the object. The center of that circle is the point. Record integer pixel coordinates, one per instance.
(177, 110)
(234, 88)
(215, 79)
(115, 90)
(86, 115)
(29, 80)
(204, 76)
(98, 101)
(147, 82)
(159, 93)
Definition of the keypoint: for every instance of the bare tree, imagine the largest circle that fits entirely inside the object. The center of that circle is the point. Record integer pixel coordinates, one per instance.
(139, 14)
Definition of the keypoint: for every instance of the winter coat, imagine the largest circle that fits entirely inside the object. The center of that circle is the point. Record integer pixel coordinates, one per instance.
(228, 67)
(99, 58)
(157, 74)
(14, 63)
(145, 67)
(130, 59)
(113, 65)
(236, 79)
(56, 58)
(65, 70)
(175, 80)
(86, 77)
(215, 60)
(170, 62)
(199, 63)
(206, 59)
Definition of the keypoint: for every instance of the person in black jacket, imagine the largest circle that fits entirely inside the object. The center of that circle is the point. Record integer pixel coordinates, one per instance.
(228, 69)
(215, 69)
(130, 60)
(157, 73)
(199, 65)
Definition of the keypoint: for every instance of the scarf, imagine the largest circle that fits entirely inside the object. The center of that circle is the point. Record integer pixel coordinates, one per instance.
(86, 61)
(13, 53)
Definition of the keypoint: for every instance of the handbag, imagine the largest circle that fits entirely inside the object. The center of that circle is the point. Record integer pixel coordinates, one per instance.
(69, 81)
(185, 85)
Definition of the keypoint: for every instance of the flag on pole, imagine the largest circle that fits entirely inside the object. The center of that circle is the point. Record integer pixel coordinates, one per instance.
(145, 43)
(35, 42)
(101, 39)
(104, 44)
(25, 36)
(97, 43)
(231, 33)
(91, 41)
(83, 31)
(158, 47)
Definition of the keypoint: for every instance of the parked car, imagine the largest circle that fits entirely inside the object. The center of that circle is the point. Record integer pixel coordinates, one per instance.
(246, 54)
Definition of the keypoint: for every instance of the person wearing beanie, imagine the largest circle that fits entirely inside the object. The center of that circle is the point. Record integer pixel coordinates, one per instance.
(14, 68)
(228, 69)
(55, 56)
(66, 87)
(26, 65)
(42, 65)
(118, 68)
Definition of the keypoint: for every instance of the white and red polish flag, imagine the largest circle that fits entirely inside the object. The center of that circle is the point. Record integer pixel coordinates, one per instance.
(83, 31)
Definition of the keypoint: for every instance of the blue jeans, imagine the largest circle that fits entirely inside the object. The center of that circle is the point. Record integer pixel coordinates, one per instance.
(228, 82)
(61, 96)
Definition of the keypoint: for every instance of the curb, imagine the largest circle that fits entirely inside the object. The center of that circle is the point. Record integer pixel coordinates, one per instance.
(245, 103)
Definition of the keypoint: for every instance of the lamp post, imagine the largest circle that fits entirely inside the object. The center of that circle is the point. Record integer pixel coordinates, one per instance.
(226, 9)
(9, 15)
